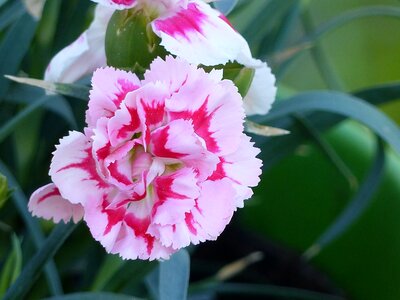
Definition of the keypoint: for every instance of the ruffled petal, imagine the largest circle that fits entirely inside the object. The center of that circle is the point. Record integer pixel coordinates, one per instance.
(177, 142)
(84, 55)
(176, 194)
(124, 231)
(109, 89)
(217, 114)
(242, 168)
(214, 209)
(73, 169)
(199, 35)
(47, 203)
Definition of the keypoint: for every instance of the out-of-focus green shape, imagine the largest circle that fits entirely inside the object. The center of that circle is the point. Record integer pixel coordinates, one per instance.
(174, 277)
(108, 270)
(10, 13)
(4, 192)
(356, 206)
(12, 267)
(129, 274)
(24, 94)
(339, 103)
(14, 46)
(32, 270)
(296, 209)
(266, 290)
(225, 6)
(7, 128)
(32, 225)
(94, 296)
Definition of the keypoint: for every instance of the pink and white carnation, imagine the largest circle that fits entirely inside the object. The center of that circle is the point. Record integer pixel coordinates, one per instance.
(162, 163)
(189, 29)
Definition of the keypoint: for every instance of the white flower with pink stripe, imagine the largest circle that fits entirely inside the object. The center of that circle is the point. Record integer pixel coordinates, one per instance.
(189, 29)
(163, 162)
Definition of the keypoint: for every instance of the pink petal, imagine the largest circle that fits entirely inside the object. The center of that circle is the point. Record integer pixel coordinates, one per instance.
(47, 203)
(217, 113)
(124, 231)
(199, 35)
(207, 219)
(74, 171)
(109, 89)
(123, 125)
(176, 193)
(214, 209)
(177, 142)
(84, 55)
(242, 168)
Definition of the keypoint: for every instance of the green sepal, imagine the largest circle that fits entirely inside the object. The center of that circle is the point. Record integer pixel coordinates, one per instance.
(130, 41)
(241, 76)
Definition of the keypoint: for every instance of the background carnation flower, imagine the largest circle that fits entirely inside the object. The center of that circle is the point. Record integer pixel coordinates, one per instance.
(163, 162)
(190, 29)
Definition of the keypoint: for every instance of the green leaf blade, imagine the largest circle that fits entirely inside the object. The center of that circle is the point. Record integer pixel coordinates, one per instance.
(174, 277)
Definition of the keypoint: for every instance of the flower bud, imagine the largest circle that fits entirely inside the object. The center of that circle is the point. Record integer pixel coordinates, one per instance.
(130, 42)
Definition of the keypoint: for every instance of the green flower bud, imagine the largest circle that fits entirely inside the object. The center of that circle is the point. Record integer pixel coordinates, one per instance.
(130, 41)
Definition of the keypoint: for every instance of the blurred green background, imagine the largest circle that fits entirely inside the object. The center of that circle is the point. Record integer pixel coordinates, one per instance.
(303, 194)
(310, 176)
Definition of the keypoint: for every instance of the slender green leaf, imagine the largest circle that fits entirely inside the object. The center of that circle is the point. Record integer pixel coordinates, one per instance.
(335, 23)
(277, 148)
(152, 282)
(247, 289)
(94, 296)
(225, 6)
(33, 269)
(329, 152)
(284, 31)
(32, 225)
(356, 206)
(14, 47)
(10, 12)
(109, 268)
(129, 274)
(9, 127)
(12, 267)
(380, 94)
(323, 64)
(343, 104)
(72, 90)
(2, 2)
(174, 277)
(24, 94)
(352, 15)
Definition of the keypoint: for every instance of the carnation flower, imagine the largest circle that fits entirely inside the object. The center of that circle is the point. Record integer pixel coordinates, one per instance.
(189, 29)
(162, 163)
